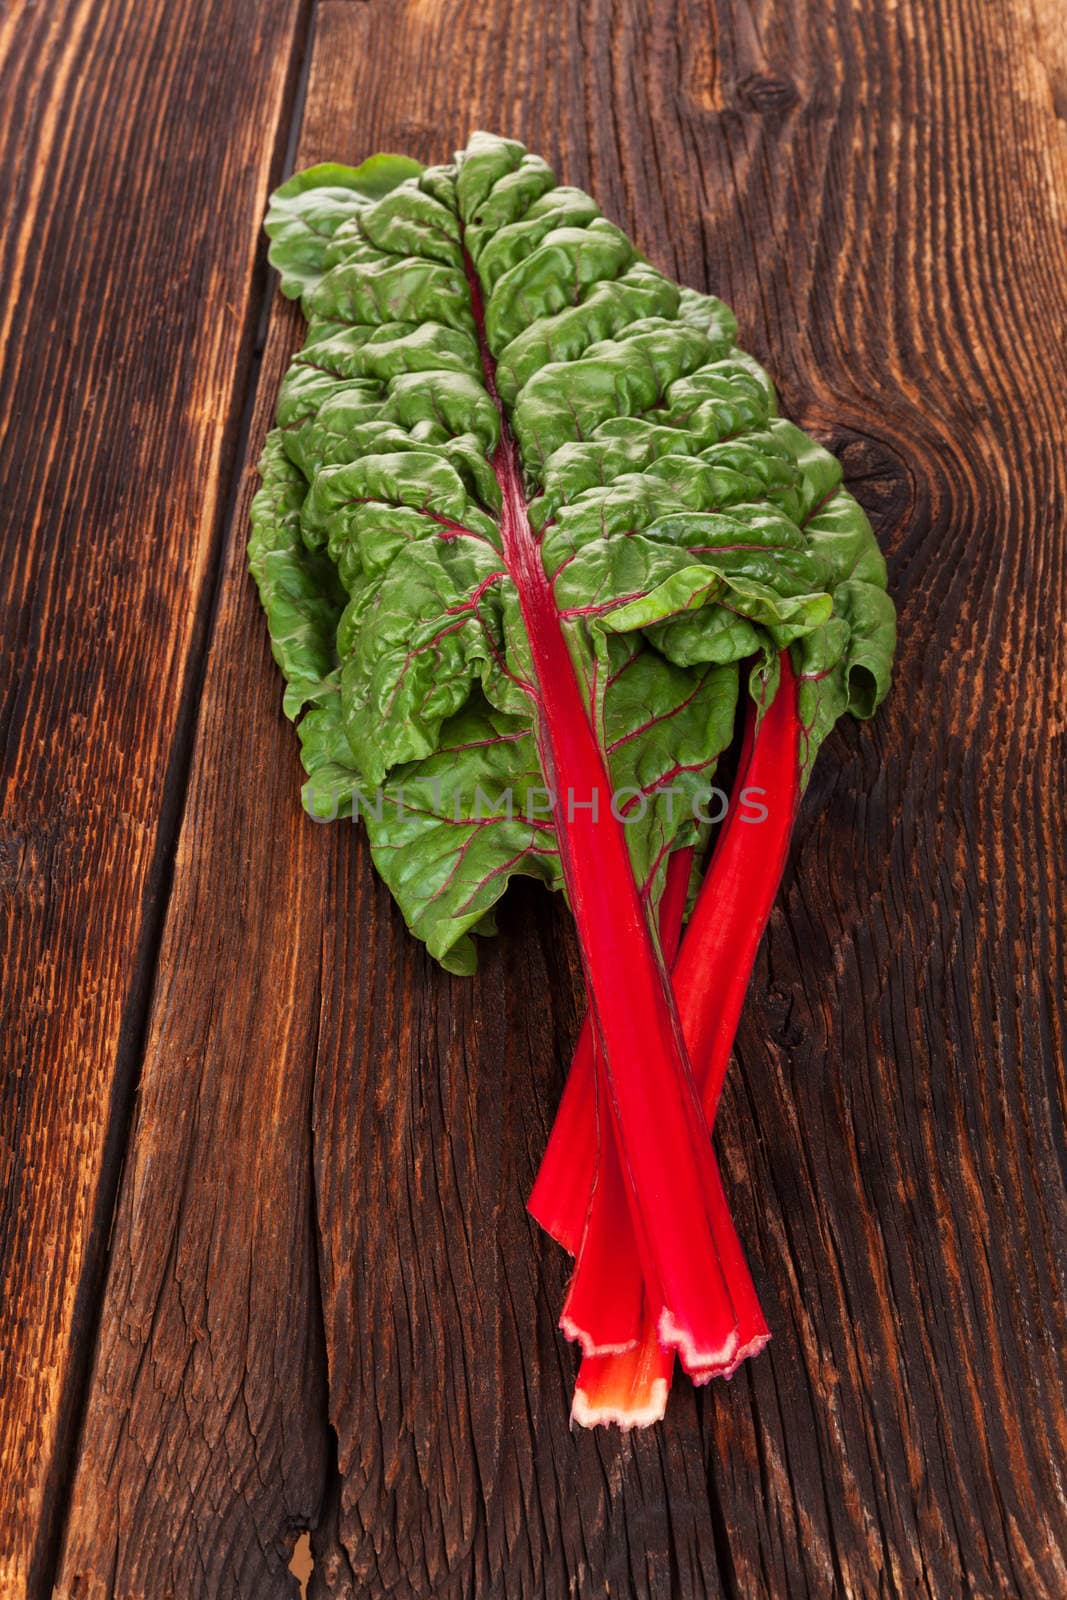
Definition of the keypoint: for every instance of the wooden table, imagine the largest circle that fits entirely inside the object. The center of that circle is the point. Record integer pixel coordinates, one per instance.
(265, 1263)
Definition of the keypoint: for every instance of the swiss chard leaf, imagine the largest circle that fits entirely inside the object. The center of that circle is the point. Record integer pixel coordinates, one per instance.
(683, 527)
(299, 588)
(308, 210)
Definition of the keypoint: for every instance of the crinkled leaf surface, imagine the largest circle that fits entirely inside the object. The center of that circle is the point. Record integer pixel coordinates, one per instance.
(684, 526)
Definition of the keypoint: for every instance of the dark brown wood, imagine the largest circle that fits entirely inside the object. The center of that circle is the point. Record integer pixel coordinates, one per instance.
(136, 144)
(204, 1445)
(880, 192)
(205, 1441)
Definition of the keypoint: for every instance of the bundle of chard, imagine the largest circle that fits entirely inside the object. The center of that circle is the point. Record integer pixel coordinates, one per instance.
(532, 541)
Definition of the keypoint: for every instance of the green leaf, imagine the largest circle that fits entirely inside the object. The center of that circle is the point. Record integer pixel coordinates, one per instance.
(299, 591)
(307, 211)
(333, 780)
(846, 665)
(684, 527)
(414, 645)
(663, 729)
(450, 832)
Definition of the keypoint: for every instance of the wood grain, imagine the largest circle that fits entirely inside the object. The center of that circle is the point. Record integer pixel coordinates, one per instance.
(136, 144)
(881, 193)
(207, 1412)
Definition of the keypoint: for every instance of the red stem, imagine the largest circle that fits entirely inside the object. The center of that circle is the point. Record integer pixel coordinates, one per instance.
(714, 966)
(563, 1190)
(710, 976)
(603, 1306)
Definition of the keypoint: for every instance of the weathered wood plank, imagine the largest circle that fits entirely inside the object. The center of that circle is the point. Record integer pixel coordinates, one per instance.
(880, 193)
(136, 144)
(204, 1448)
